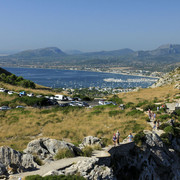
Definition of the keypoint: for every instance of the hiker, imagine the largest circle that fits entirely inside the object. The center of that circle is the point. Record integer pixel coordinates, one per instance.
(158, 124)
(149, 111)
(154, 116)
(130, 137)
(114, 139)
(172, 122)
(154, 127)
(158, 108)
(117, 137)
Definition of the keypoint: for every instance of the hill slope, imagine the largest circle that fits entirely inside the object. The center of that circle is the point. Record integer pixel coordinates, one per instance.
(4, 71)
(170, 78)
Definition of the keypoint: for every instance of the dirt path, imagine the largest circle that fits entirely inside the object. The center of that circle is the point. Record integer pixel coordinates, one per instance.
(54, 165)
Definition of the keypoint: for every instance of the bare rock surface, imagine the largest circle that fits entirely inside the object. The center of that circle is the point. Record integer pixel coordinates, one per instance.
(90, 140)
(12, 161)
(46, 148)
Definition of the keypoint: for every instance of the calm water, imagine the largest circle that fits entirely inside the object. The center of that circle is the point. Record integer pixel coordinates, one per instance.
(75, 79)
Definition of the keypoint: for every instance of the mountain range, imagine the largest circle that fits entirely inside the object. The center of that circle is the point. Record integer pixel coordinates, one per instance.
(165, 57)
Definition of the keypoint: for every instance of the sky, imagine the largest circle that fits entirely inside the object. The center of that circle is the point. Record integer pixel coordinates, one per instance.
(88, 25)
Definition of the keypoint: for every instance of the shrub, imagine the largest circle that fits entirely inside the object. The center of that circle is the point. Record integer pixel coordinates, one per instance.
(60, 177)
(64, 153)
(139, 138)
(164, 117)
(142, 103)
(116, 99)
(134, 112)
(97, 112)
(114, 113)
(129, 104)
(153, 107)
(165, 138)
(169, 129)
(164, 125)
(87, 151)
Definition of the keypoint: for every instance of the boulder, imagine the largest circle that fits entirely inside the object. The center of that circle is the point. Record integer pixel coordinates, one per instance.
(46, 148)
(89, 141)
(90, 169)
(12, 161)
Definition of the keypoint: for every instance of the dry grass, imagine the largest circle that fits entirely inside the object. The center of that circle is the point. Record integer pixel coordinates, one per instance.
(161, 93)
(19, 126)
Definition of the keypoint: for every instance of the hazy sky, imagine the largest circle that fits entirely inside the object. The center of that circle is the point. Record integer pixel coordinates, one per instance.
(88, 25)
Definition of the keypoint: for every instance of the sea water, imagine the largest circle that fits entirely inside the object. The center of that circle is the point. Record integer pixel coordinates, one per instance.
(56, 78)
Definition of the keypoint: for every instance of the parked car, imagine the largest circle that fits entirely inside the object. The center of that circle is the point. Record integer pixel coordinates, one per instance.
(2, 90)
(39, 96)
(20, 107)
(61, 97)
(30, 94)
(22, 93)
(83, 104)
(64, 104)
(10, 92)
(73, 103)
(4, 108)
(103, 102)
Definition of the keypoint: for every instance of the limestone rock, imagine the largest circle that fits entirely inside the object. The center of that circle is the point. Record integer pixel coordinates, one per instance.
(46, 148)
(90, 169)
(2, 169)
(90, 140)
(12, 161)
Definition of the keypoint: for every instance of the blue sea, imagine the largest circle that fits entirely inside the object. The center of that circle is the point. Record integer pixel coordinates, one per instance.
(56, 78)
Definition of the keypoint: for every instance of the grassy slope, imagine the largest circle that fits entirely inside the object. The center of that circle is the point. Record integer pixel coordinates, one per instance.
(18, 127)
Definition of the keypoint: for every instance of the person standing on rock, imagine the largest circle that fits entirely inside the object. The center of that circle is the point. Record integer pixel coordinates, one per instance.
(130, 137)
(114, 139)
(117, 137)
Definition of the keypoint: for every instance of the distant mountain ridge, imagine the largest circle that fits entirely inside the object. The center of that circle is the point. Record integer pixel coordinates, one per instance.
(164, 58)
(43, 52)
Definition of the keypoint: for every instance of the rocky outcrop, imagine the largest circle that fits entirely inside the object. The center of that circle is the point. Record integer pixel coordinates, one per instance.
(151, 161)
(46, 148)
(90, 141)
(169, 78)
(89, 169)
(12, 161)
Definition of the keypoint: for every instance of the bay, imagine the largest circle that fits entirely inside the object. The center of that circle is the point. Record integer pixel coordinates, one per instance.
(56, 78)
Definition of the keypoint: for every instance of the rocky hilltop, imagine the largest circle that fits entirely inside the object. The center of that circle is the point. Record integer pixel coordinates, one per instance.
(170, 78)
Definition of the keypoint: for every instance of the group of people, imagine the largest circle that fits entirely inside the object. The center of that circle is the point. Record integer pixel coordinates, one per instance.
(116, 137)
(152, 116)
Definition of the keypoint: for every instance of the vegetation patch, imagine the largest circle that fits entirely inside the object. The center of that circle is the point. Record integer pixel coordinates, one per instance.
(116, 99)
(96, 112)
(60, 177)
(134, 112)
(115, 113)
(164, 117)
(63, 153)
(87, 151)
(139, 138)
